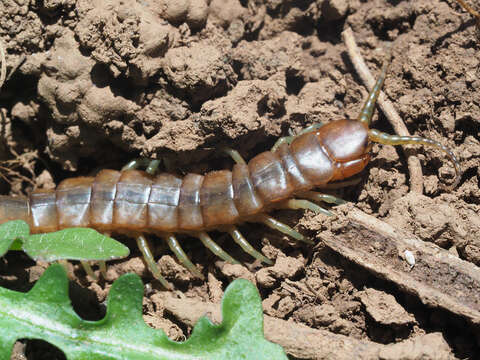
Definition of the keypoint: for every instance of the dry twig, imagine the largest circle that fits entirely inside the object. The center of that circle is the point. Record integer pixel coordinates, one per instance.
(8, 168)
(303, 342)
(414, 167)
(472, 12)
(438, 280)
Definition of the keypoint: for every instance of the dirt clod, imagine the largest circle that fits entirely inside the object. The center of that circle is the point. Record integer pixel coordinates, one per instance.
(384, 309)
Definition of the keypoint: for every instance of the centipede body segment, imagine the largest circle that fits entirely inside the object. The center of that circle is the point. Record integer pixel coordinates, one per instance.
(135, 202)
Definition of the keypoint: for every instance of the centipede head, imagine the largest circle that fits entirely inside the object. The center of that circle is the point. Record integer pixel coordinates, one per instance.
(376, 136)
(348, 144)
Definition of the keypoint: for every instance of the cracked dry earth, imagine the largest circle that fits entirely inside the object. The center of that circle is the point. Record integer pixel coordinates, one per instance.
(97, 83)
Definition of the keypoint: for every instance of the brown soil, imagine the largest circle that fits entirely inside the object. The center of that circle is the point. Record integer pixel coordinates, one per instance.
(102, 82)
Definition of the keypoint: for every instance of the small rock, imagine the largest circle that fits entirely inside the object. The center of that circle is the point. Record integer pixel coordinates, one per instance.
(45, 180)
(237, 271)
(265, 278)
(226, 11)
(197, 14)
(176, 10)
(471, 253)
(133, 265)
(285, 307)
(453, 250)
(25, 112)
(174, 271)
(409, 258)
(284, 268)
(287, 267)
(384, 309)
(317, 315)
(418, 348)
(269, 303)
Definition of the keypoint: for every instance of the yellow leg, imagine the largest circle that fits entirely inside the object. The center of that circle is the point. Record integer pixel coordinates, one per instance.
(150, 261)
(182, 257)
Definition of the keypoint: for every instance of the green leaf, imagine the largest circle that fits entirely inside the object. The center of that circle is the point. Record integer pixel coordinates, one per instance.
(45, 313)
(73, 244)
(11, 231)
(17, 245)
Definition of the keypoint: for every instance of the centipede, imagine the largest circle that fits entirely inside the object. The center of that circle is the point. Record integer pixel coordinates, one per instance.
(136, 203)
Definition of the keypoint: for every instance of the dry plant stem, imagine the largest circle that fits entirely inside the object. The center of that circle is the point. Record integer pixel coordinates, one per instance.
(439, 279)
(303, 342)
(414, 167)
(471, 11)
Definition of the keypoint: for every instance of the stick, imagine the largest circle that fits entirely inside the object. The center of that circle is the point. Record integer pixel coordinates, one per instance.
(472, 12)
(416, 177)
(439, 279)
(303, 342)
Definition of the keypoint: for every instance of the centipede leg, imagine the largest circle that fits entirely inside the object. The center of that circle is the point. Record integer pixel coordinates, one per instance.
(214, 247)
(235, 155)
(64, 264)
(136, 163)
(316, 196)
(150, 261)
(88, 269)
(296, 204)
(152, 167)
(283, 228)
(102, 264)
(280, 141)
(289, 139)
(309, 128)
(244, 244)
(182, 257)
(103, 268)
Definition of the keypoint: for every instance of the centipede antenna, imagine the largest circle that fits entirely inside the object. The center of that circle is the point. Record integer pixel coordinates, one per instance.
(88, 269)
(182, 257)
(103, 268)
(387, 139)
(368, 108)
(283, 228)
(245, 245)
(150, 261)
(316, 196)
(214, 247)
(296, 204)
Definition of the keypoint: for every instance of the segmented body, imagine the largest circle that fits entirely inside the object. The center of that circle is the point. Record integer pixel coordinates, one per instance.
(134, 201)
